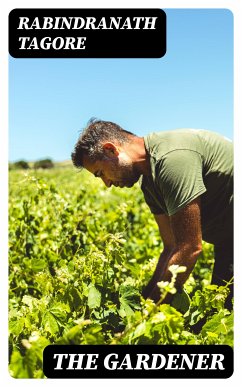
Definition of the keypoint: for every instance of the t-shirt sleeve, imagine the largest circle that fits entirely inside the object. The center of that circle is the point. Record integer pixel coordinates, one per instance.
(179, 176)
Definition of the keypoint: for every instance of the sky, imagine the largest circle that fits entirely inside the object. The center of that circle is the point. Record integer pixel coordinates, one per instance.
(51, 100)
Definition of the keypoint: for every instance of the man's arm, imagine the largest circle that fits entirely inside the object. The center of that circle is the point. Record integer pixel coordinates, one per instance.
(167, 237)
(182, 247)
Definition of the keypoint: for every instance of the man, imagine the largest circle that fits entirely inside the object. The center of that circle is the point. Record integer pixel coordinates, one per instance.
(187, 181)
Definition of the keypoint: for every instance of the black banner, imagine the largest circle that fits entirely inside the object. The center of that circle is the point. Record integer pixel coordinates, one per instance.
(87, 33)
(141, 361)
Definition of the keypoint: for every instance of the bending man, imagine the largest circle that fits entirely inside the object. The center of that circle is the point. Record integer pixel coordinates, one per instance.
(186, 177)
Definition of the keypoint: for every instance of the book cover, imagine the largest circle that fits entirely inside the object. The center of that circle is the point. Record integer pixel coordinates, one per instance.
(121, 130)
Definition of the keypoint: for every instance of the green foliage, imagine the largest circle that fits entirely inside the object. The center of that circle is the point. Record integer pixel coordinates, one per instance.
(79, 257)
(44, 164)
(21, 164)
(181, 301)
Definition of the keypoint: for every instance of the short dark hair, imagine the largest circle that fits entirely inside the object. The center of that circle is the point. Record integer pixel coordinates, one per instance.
(93, 136)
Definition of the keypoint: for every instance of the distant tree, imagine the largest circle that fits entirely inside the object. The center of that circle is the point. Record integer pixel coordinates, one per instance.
(21, 164)
(44, 164)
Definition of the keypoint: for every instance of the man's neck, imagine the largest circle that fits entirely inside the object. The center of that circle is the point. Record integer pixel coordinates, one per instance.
(140, 156)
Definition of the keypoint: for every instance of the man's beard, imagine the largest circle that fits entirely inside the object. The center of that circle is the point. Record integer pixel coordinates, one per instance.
(127, 175)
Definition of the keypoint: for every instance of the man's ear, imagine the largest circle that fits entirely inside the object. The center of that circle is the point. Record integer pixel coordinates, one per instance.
(110, 149)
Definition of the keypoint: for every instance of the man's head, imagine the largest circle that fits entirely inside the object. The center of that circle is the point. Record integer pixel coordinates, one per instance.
(105, 150)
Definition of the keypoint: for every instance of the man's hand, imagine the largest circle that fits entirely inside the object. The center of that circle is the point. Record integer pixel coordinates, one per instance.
(159, 271)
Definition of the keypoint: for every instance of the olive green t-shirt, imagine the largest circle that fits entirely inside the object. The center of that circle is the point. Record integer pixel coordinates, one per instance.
(188, 163)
